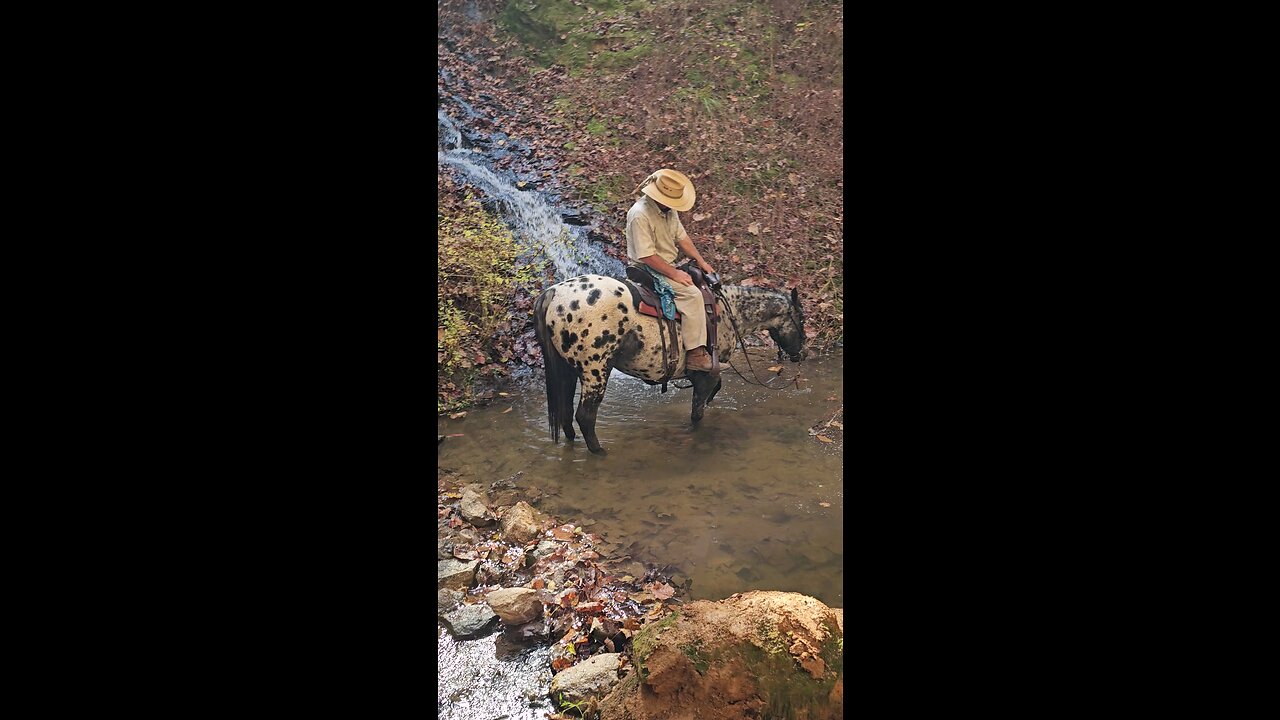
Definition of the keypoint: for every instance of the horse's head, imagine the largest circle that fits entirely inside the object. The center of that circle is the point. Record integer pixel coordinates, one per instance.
(789, 333)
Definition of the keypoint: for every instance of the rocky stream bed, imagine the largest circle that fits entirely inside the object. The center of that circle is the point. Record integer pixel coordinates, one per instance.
(617, 637)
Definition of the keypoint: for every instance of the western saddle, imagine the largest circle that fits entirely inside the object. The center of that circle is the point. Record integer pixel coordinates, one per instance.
(650, 304)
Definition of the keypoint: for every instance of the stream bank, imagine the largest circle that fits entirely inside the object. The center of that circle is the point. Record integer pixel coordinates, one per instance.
(536, 614)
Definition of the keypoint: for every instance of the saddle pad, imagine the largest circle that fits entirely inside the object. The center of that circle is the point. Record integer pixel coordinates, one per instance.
(647, 309)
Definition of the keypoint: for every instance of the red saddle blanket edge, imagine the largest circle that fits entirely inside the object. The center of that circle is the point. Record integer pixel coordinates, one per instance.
(647, 309)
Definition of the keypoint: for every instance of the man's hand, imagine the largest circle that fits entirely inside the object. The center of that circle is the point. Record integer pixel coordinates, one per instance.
(706, 268)
(682, 277)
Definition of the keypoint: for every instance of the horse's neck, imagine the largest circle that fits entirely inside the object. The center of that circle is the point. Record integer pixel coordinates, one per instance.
(755, 308)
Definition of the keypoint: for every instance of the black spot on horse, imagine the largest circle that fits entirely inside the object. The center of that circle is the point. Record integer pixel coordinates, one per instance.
(584, 334)
(580, 348)
(593, 297)
(567, 339)
(622, 307)
(583, 286)
(559, 309)
(573, 305)
(570, 318)
(604, 317)
(596, 373)
(618, 292)
(605, 338)
(595, 357)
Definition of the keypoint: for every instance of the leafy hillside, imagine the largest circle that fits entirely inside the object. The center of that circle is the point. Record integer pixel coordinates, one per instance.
(744, 97)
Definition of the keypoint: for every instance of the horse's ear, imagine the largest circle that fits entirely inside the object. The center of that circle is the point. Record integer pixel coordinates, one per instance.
(795, 296)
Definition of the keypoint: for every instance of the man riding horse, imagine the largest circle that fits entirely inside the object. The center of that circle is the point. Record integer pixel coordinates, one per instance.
(655, 237)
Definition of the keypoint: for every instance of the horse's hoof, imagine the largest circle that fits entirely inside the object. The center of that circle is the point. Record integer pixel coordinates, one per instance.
(597, 450)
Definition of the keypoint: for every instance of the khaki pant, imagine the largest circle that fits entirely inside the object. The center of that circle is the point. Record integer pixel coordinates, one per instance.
(693, 320)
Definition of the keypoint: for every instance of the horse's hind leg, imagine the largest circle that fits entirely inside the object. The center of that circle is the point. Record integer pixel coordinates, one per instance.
(594, 382)
(566, 416)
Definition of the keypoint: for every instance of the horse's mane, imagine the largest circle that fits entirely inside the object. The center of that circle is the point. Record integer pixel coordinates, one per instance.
(784, 295)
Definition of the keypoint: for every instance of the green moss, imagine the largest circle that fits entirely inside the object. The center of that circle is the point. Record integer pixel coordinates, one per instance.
(694, 653)
(789, 691)
(595, 127)
(644, 642)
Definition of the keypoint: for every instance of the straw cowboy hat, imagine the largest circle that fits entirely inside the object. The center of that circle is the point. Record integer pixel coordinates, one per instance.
(671, 188)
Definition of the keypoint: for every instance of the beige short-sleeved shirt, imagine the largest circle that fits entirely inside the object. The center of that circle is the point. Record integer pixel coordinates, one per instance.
(649, 232)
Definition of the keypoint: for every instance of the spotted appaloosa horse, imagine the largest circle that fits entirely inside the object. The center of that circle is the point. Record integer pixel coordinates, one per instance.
(589, 325)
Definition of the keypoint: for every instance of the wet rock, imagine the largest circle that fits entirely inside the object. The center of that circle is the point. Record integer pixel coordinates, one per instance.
(573, 216)
(516, 606)
(474, 506)
(455, 575)
(469, 620)
(519, 525)
(447, 600)
(592, 677)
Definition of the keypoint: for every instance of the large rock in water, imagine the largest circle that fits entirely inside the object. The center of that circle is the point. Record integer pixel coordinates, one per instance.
(590, 678)
(756, 654)
(516, 606)
(469, 620)
(519, 525)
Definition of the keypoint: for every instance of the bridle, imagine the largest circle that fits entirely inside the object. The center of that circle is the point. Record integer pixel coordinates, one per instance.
(714, 280)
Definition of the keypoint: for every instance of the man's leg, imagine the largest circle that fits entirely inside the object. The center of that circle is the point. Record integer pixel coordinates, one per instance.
(693, 326)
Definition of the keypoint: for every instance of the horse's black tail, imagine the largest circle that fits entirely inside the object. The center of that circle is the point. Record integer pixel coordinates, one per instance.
(560, 376)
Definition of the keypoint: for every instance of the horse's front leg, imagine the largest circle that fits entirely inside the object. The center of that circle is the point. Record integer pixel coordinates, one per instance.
(705, 387)
(594, 382)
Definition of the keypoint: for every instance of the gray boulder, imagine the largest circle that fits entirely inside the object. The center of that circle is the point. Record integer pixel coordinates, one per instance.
(592, 677)
(455, 575)
(516, 606)
(469, 620)
(519, 525)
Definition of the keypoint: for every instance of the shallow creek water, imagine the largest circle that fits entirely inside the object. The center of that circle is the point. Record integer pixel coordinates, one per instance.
(734, 503)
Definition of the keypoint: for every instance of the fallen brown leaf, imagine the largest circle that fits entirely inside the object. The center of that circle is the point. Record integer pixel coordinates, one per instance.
(776, 369)
(824, 438)
(457, 415)
(504, 412)
(825, 504)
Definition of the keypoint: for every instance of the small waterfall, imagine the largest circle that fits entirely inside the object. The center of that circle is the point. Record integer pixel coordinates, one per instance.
(536, 222)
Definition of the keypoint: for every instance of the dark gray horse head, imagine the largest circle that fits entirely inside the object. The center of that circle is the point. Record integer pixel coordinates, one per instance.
(789, 334)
